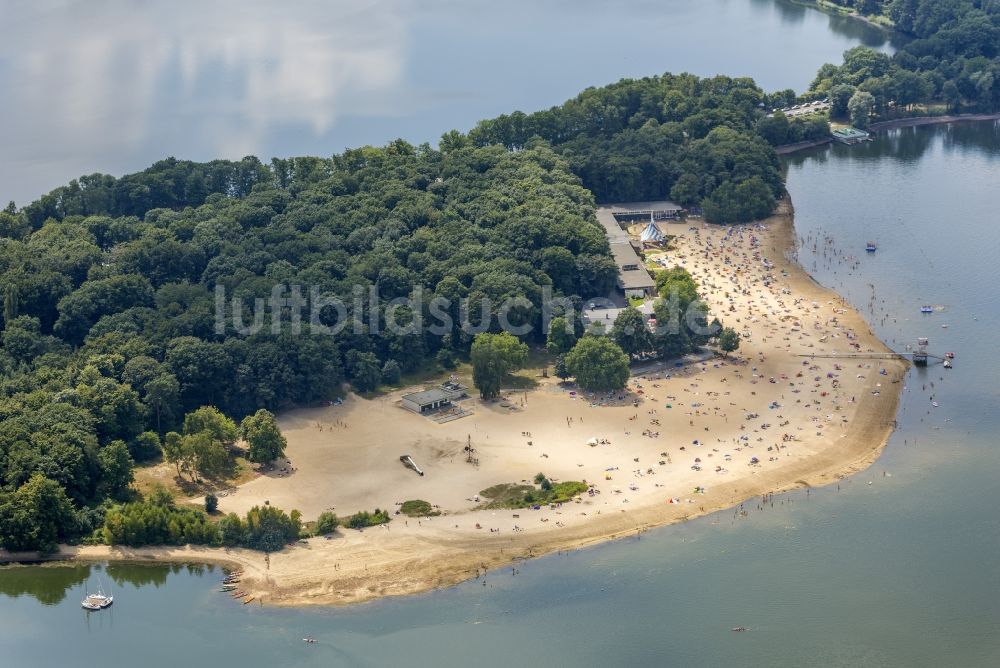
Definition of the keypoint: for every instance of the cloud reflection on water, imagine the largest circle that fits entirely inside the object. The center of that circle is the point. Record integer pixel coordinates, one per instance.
(113, 85)
(213, 77)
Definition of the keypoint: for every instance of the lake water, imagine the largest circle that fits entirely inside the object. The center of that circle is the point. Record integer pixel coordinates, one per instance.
(113, 85)
(896, 566)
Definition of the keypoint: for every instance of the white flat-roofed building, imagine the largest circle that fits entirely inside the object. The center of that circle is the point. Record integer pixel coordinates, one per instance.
(428, 400)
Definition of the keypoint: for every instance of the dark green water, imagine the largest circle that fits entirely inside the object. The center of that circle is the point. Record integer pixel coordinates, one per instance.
(886, 570)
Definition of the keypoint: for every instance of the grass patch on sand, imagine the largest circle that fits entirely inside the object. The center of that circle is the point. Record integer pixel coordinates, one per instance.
(517, 495)
(418, 508)
(161, 473)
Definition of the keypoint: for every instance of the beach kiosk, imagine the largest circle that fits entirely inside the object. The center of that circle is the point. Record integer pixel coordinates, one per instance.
(428, 400)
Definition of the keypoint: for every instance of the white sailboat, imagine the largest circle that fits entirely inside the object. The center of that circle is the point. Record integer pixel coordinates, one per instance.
(98, 600)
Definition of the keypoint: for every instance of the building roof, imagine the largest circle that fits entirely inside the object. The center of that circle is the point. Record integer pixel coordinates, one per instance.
(611, 227)
(632, 279)
(624, 254)
(428, 396)
(643, 207)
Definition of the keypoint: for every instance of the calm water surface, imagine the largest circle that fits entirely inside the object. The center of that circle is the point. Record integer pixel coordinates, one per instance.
(895, 567)
(113, 85)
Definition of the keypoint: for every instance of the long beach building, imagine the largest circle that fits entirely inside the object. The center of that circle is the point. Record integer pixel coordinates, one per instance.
(633, 279)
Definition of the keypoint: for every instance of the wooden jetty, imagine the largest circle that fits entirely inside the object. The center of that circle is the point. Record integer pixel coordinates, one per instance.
(919, 357)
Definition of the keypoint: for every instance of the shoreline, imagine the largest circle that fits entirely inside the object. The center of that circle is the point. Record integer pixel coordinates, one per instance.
(892, 124)
(916, 121)
(357, 566)
(787, 149)
(837, 10)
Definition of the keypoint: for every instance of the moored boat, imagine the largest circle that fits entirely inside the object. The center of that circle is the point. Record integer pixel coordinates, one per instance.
(97, 601)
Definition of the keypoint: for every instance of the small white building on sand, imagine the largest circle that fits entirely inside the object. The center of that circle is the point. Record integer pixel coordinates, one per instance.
(428, 400)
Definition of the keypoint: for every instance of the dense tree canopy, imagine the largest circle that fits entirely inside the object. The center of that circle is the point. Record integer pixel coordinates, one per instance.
(954, 58)
(36, 516)
(674, 136)
(110, 331)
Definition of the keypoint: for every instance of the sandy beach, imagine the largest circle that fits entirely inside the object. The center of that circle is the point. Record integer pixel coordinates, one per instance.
(679, 443)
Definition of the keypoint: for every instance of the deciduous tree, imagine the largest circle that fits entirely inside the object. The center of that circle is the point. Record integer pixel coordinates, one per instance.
(264, 438)
(494, 356)
(598, 364)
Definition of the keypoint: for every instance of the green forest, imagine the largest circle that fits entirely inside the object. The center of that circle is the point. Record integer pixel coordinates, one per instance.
(953, 58)
(110, 354)
(692, 140)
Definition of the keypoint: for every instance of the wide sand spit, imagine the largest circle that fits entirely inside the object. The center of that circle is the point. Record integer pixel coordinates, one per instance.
(681, 442)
